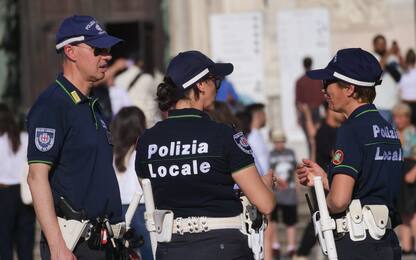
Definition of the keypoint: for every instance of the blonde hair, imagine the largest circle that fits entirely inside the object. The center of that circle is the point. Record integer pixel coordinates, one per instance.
(402, 109)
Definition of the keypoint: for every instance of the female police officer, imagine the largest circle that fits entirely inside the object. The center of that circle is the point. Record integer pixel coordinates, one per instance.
(194, 162)
(366, 166)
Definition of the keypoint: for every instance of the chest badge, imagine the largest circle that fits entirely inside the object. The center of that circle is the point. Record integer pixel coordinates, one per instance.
(338, 157)
(44, 139)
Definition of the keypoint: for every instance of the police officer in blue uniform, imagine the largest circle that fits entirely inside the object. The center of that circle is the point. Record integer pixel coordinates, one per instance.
(70, 152)
(365, 172)
(194, 162)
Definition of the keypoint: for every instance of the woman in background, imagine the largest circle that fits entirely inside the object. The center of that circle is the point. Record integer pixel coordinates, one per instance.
(17, 220)
(127, 126)
(402, 115)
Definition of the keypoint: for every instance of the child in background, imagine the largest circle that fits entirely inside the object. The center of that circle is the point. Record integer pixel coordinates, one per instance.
(283, 165)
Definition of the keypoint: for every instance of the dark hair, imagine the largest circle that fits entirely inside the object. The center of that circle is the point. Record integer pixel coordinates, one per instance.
(364, 94)
(254, 108)
(307, 63)
(127, 126)
(378, 37)
(168, 93)
(221, 113)
(410, 57)
(243, 121)
(9, 126)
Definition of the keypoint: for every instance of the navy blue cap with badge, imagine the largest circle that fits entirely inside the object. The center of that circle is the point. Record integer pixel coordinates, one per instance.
(354, 65)
(189, 67)
(83, 29)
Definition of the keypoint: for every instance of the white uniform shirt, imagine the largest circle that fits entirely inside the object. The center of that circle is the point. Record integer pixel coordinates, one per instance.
(13, 165)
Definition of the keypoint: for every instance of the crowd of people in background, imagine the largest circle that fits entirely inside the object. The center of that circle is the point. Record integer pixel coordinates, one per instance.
(127, 95)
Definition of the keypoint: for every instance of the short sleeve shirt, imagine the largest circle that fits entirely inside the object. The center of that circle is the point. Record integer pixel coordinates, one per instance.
(368, 149)
(283, 164)
(190, 160)
(67, 131)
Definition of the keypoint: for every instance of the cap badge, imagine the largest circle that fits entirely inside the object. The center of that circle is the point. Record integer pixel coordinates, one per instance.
(89, 25)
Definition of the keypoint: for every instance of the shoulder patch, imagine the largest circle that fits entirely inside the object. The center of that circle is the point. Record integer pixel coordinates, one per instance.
(338, 157)
(44, 138)
(242, 143)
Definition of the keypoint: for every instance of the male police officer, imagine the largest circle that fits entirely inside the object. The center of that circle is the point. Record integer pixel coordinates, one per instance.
(70, 152)
(365, 173)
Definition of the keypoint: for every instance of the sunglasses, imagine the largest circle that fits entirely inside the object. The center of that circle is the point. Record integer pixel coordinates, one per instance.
(97, 51)
(326, 83)
(217, 81)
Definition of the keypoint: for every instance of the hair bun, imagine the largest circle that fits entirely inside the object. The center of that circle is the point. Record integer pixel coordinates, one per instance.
(167, 94)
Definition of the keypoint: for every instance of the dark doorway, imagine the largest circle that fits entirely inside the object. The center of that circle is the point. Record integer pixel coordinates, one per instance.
(138, 41)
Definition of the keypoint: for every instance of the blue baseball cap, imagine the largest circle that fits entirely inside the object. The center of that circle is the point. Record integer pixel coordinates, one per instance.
(354, 66)
(83, 29)
(188, 67)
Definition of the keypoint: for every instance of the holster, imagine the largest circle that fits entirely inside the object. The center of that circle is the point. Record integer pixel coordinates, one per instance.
(254, 225)
(72, 230)
(376, 217)
(163, 224)
(355, 222)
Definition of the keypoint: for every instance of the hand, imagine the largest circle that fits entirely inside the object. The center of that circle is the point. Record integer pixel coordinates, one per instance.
(395, 48)
(304, 108)
(410, 177)
(62, 253)
(309, 169)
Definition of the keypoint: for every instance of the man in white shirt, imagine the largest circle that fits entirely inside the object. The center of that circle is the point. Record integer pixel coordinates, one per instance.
(141, 87)
(407, 83)
(256, 139)
(387, 93)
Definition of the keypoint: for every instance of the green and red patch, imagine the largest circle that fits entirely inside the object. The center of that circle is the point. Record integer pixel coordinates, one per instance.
(338, 157)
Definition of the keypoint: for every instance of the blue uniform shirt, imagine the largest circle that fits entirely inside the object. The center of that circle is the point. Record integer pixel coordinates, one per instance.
(189, 160)
(368, 149)
(66, 130)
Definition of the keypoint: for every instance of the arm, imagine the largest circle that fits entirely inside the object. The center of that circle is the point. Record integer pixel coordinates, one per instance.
(44, 206)
(250, 182)
(339, 196)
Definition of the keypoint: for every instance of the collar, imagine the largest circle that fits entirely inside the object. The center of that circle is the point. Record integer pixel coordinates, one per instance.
(187, 113)
(72, 91)
(363, 109)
